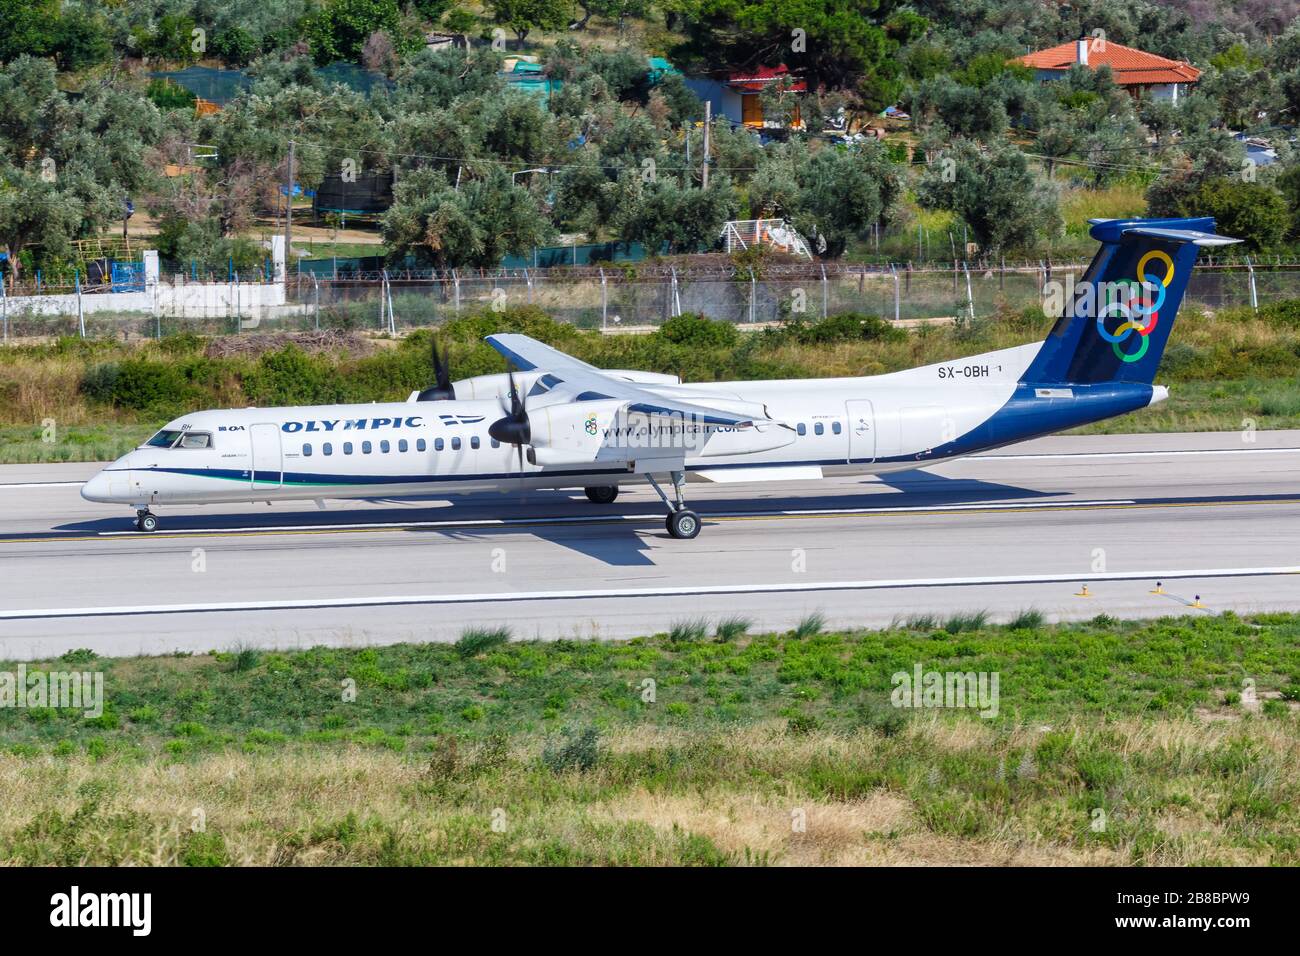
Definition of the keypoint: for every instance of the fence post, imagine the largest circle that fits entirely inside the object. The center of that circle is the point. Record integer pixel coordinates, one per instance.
(81, 315)
(1254, 296)
(316, 292)
(383, 284)
(674, 303)
(392, 318)
(894, 270)
(970, 299)
(529, 281)
(604, 302)
(753, 297)
(455, 280)
(825, 293)
(4, 305)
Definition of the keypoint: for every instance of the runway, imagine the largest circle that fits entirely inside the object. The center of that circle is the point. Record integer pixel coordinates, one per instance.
(1208, 515)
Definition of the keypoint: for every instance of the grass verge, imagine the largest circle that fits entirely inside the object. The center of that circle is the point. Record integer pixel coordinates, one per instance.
(1164, 742)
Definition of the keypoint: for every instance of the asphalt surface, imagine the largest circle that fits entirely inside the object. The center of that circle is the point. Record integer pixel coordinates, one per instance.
(1208, 515)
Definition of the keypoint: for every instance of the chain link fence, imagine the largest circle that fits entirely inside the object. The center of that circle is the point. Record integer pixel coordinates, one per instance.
(629, 300)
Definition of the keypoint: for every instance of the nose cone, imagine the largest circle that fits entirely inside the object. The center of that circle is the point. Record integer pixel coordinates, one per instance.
(106, 486)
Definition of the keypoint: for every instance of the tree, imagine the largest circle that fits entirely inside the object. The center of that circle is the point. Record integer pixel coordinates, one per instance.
(830, 196)
(340, 29)
(995, 194)
(965, 110)
(839, 44)
(524, 16)
(476, 225)
(66, 165)
(684, 220)
(1252, 212)
(26, 27)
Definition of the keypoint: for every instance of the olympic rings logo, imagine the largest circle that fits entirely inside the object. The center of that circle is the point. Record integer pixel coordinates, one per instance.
(1135, 308)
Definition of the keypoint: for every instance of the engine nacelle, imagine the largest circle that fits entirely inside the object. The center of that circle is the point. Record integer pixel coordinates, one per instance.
(573, 431)
(494, 386)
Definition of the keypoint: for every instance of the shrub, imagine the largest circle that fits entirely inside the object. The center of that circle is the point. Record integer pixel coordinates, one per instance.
(810, 624)
(580, 750)
(846, 327)
(698, 332)
(971, 621)
(478, 640)
(801, 725)
(730, 628)
(135, 383)
(884, 719)
(686, 631)
(1027, 620)
(291, 377)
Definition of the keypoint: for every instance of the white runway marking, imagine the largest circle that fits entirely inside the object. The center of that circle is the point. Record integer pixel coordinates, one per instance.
(41, 484)
(1057, 456)
(642, 592)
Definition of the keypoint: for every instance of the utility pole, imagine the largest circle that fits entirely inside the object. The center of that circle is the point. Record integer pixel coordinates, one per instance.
(288, 213)
(708, 121)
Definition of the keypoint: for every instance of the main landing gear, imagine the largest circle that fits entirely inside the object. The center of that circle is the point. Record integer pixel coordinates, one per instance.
(602, 494)
(146, 520)
(682, 522)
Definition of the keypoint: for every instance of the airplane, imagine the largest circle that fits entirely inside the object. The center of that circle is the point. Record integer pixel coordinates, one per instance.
(554, 422)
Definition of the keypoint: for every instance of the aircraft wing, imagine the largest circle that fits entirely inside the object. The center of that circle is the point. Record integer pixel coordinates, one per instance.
(587, 383)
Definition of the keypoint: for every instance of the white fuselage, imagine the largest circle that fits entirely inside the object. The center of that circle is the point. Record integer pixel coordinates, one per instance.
(839, 426)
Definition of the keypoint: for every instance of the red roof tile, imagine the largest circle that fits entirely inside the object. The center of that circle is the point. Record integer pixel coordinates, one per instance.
(1131, 67)
(753, 81)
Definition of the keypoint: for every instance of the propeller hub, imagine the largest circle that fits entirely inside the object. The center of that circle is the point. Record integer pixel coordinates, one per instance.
(512, 431)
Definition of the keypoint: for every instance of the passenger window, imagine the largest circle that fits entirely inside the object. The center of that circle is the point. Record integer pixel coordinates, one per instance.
(473, 442)
(384, 446)
(306, 451)
(347, 448)
(419, 444)
(327, 448)
(819, 429)
(366, 448)
(495, 443)
(401, 444)
(437, 444)
(802, 429)
(835, 427)
(455, 444)
(196, 440)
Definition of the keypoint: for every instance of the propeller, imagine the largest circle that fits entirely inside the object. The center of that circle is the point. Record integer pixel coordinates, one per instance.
(442, 389)
(514, 428)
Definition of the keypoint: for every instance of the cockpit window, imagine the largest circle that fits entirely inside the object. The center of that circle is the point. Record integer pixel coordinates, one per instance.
(164, 439)
(171, 438)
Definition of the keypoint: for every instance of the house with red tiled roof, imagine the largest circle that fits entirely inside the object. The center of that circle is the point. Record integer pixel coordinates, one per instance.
(1142, 74)
(736, 96)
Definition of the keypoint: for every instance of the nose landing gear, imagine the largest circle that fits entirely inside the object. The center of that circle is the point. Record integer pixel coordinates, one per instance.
(682, 522)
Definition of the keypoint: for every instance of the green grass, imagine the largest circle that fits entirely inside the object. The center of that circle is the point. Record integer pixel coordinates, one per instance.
(693, 752)
(25, 444)
(420, 692)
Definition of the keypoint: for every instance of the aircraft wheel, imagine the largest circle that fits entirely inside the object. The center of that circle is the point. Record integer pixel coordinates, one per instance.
(146, 522)
(683, 524)
(603, 494)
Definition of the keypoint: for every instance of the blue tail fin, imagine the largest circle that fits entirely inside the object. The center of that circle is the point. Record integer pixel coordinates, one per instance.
(1116, 320)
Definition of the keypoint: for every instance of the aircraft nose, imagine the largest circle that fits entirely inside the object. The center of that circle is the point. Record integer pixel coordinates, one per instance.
(98, 488)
